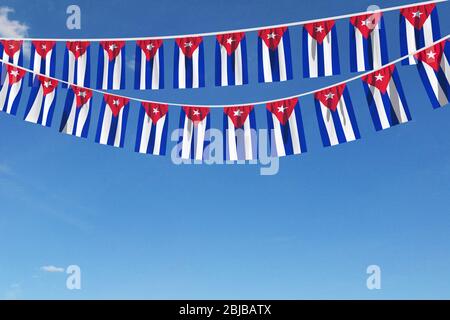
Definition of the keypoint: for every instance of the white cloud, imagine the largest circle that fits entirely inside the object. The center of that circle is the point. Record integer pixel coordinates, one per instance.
(52, 269)
(11, 28)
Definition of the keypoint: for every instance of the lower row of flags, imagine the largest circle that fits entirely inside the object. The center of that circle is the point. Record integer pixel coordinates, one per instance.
(335, 114)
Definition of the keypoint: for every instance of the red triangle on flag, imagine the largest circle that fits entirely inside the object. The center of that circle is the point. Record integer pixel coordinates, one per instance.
(432, 55)
(319, 30)
(155, 111)
(272, 37)
(380, 79)
(113, 48)
(48, 85)
(188, 45)
(417, 15)
(230, 41)
(196, 114)
(282, 109)
(238, 115)
(78, 48)
(330, 97)
(149, 47)
(115, 103)
(15, 74)
(366, 23)
(43, 47)
(11, 46)
(82, 95)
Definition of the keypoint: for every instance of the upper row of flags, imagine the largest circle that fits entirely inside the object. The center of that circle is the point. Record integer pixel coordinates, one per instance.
(419, 27)
(337, 122)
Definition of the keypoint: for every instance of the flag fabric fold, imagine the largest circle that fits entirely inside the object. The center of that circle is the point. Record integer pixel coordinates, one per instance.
(11, 89)
(336, 117)
(240, 136)
(77, 112)
(41, 103)
(274, 55)
(434, 69)
(368, 44)
(320, 49)
(189, 63)
(112, 121)
(77, 63)
(419, 28)
(387, 102)
(152, 130)
(231, 60)
(195, 124)
(111, 65)
(286, 133)
(149, 65)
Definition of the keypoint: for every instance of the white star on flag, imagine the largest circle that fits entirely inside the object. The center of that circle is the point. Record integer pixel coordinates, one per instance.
(14, 73)
(112, 47)
(330, 96)
(188, 44)
(417, 14)
(271, 35)
(155, 110)
(47, 84)
(319, 29)
(230, 40)
(237, 113)
(82, 94)
(196, 113)
(379, 77)
(431, 55)
(282, 109)
(44, 47)
(115, 102)
(11, 46)
(150, 47)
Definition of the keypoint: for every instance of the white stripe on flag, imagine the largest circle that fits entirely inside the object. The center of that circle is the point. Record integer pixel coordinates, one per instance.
(145, 135)
(158, 135)
(105, 70)
(106, 125)
(282, 61)
(411, 40)
(117, 74)
(327, 54)
(312, 57)
(379, 105)
(329, 124)
(297, 148)
(231, 138)
(396, 102)
(33, 114)
(279, 145)
(70, 66)
(224, 66)
(428, 32)
(238, 65)
(48, 62)
(201, 131)
(37, 64)
(195, 68)
(188, 131)
(434, 82)
(359, 50)
(266, 63)
(155, 72)
(81, 69)
(143, 70)
(119, 128)
(181, 69)
(48, 99)
(346, 124)
(376, 47)
(82, 117)
(248, 140)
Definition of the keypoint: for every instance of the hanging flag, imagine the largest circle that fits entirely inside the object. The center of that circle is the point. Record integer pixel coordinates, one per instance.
(240, 136)
(152, 130)
(368, 45)
(195, 123)
(43, 59)
(11, 52)
(77, 63)
(149, 65)
(274, 55)
(386, 99)
(111, 65)
(336, 117)
(434, 69)
(320, 49)
(189, 63)
(11, 90)
(112, 122)
(42, 101)
(419, 28)
(286, 134)
(231, 60)
(77, 112)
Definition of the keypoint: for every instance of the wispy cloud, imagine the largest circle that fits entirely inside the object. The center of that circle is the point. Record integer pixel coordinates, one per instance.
(52, 269)
(11, 28)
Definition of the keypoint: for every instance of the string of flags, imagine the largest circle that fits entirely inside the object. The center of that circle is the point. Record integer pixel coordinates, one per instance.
(419, 28)
(334, 109)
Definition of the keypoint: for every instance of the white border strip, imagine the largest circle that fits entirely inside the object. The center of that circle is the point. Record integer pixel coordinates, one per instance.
(205, 34)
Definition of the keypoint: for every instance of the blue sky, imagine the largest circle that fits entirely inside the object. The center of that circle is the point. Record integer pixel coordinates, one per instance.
(141, 227)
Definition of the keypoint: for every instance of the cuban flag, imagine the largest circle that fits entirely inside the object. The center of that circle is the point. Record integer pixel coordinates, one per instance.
(274, 55)
(152, 129)
(77, 63)
(240, 136)
(336, 117)
(43, 59)
(77, 112)
(320, 49)
(286, 135)
(111, 65)
(42, 101)
(11, 52)
(368, 45)
(149, 65)
(189, 63)
(11, 89)
(195, 123)
(386, 99)
(434, 69)
(112, 121)
(419, 28)
(231, 60)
